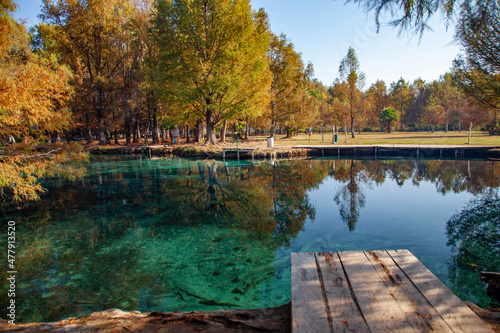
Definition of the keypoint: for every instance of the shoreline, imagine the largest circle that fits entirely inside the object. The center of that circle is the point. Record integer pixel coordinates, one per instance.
(272, 320)
(254, 149)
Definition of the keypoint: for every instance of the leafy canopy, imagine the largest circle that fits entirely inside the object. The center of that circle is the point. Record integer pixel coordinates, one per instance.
(212, 58)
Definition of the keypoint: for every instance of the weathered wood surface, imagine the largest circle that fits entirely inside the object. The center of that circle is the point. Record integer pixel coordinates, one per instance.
(373, 291)
(345, 313)
(308, 305)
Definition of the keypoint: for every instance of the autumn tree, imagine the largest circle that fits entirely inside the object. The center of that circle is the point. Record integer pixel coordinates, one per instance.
(324, 104)
(401, 97)
(339, 94)
(434, 110)
(448, 97)
(34, 91)
(420, 94)
(378, 99)
(349, 73)
(89, 36)
(303, 107)
(288, 80)
(212, 58)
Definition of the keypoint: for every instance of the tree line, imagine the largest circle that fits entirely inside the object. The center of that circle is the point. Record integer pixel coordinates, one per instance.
(139, 67)
(405, 105)
(142, 67)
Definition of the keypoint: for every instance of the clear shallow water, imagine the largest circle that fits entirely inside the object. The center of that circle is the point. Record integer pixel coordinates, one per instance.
(171, 234)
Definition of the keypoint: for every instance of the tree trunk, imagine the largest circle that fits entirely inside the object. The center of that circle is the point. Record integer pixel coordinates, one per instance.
(247, 129)
(188, 138)
(273, 129)
(128, 131)
(68, 137)
(102, 138)
(88, 135)
(198, 136)
(353, 132)
(222, 137)
(146, 134)
(211, 139)
(137, 133)
(197, 132)
(155, 134)
(106, 137)
(116, 137)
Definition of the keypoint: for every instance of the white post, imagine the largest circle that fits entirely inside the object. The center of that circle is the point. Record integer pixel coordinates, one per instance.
(470, 131)
(333, 134)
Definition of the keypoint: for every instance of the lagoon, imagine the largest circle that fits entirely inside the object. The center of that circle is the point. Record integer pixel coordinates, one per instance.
(175, 234)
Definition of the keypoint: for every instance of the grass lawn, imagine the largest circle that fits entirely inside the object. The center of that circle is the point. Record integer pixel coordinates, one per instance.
(367, 138)
(373, 138)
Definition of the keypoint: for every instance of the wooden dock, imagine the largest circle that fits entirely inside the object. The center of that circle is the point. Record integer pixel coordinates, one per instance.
(238, 151)
(373, 291)
(406, 150)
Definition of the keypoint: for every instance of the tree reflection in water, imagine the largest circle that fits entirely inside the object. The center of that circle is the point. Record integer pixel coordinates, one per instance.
(448, 176)
(350, 197)
(474, 236)
(161, 235)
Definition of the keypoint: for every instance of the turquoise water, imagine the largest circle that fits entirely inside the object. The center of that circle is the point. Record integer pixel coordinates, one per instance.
(173, 234)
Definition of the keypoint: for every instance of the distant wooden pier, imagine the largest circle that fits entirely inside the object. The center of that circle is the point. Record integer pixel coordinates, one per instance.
(373, 291)
(401, 150)
(238, 151)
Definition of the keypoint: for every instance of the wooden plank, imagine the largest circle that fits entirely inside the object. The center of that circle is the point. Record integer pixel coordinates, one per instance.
(457, 315)
(308, 305)
(420, 313)
(344, 312)
(380, 310)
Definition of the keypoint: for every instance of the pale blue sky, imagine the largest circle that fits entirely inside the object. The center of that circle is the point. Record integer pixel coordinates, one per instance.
(322, 30)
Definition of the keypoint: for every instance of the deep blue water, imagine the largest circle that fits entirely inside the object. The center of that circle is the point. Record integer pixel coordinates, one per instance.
(172, 234)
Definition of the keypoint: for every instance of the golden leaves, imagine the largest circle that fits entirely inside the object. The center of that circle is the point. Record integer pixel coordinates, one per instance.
(21, 168)
(31, 94)
(34, 90)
